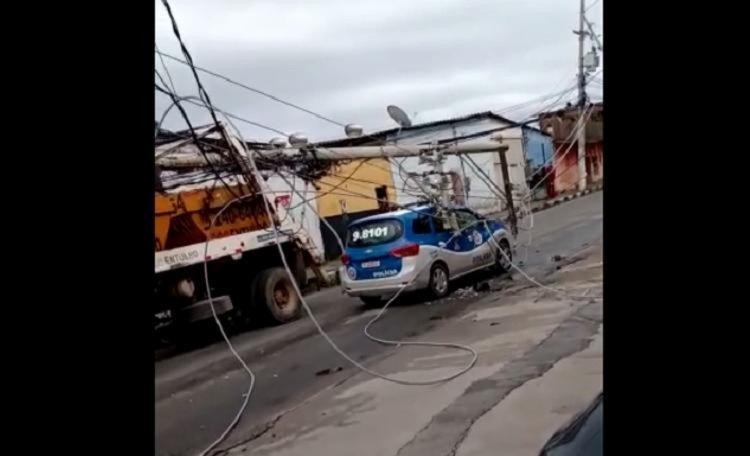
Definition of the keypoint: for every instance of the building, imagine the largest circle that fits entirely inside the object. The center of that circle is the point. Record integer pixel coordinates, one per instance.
(526, 147)
(476, 181)
(349, 191)
(561, 126)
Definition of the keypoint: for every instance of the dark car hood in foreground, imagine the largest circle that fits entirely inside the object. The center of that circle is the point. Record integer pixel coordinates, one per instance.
(582, 436)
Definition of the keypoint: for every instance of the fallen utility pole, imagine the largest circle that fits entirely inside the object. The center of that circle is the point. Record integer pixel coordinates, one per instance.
(432, 154)
(191, 160)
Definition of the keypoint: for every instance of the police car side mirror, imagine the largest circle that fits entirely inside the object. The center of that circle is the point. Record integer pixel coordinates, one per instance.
(442, 244)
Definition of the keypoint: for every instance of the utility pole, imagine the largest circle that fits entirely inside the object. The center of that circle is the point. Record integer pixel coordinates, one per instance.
(464, 184)
(581, 137)
(508, 193)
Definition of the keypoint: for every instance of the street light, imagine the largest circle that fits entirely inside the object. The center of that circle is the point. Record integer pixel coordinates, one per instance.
(278, 143)
(353, 130)
(298, 139)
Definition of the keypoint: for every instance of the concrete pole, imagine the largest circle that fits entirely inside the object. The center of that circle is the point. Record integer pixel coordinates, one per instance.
(512, 218)
(340, 153)
(581, 137)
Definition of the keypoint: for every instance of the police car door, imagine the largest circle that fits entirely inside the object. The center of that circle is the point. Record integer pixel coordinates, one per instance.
(475, 237)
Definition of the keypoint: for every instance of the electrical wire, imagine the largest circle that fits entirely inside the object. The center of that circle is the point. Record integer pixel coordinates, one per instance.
(531, 279)
(336, 348)
(201, 90)
(198, 143)
(295, 106)
(252, 89)
(166, 70)
(591, 5)
(200, 103)
(307, 308)
(582, 120)
(258, 178)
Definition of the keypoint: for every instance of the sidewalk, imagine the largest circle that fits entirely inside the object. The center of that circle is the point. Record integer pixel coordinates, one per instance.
(537, 206)
(539, 362)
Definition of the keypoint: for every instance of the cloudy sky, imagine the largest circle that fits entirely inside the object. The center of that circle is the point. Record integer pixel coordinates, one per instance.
(349, 59)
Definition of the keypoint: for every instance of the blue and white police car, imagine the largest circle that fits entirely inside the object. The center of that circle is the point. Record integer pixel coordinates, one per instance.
(415, 249)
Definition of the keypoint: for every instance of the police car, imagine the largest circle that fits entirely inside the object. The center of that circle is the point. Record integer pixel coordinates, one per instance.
(417, 249)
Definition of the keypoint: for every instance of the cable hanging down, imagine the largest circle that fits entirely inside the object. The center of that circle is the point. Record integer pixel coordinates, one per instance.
(239, 153)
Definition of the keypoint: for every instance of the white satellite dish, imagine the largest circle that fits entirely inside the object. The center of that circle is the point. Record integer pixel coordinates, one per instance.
(399, 116)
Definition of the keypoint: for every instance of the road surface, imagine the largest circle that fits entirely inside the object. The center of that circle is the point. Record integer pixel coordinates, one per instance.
(298, 364)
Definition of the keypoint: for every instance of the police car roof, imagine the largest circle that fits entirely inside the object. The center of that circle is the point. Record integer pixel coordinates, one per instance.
(411, 212)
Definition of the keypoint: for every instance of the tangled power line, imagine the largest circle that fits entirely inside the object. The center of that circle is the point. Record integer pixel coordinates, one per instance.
(247, 164)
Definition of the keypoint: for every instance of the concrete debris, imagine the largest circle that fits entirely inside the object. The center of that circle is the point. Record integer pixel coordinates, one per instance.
(467, 292)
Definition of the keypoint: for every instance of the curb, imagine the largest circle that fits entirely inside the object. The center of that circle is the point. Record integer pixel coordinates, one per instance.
(561, 199)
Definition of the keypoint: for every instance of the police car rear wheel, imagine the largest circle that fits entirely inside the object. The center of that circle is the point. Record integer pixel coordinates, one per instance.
(438, 281)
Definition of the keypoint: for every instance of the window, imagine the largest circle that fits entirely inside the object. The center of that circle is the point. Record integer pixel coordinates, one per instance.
(374, 233)
(441, 226)
(381, 193)
(421, 225)
(465, 218)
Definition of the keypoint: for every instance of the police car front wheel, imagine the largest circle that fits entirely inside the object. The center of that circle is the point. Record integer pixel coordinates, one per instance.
(504, 257)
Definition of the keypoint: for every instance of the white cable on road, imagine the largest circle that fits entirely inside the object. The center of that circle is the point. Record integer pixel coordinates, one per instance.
(307, 308)
(366, 332)
(531, 279)
(237, 417)
(309, 311)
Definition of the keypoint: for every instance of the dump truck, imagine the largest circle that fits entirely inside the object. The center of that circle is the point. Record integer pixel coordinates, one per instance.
(237, 253)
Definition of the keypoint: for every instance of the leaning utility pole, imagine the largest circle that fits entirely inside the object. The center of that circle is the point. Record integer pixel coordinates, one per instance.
(512, 217)
(581, 137)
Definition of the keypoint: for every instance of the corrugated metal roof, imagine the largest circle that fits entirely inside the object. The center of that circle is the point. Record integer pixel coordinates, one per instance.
(379, 136)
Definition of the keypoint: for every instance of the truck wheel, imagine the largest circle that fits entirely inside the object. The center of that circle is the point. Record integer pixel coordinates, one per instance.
(438, 286)
(275, 294)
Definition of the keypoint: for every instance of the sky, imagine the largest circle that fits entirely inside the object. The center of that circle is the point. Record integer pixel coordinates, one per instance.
(349, 59)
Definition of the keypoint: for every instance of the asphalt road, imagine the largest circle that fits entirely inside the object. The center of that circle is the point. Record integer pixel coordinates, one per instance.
(192, 416)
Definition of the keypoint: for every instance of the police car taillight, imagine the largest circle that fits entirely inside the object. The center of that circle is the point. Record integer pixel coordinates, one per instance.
(345, 259)
(406, 251)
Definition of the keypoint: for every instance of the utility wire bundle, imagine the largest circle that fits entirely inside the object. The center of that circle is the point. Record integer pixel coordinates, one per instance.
(236, 161)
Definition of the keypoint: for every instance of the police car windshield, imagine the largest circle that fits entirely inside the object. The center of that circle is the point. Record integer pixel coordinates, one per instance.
(375, 232)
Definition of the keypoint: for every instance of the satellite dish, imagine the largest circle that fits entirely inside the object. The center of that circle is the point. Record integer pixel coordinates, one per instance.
(399, 116)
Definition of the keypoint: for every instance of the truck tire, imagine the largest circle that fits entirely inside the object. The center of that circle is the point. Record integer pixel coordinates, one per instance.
(276, 297)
